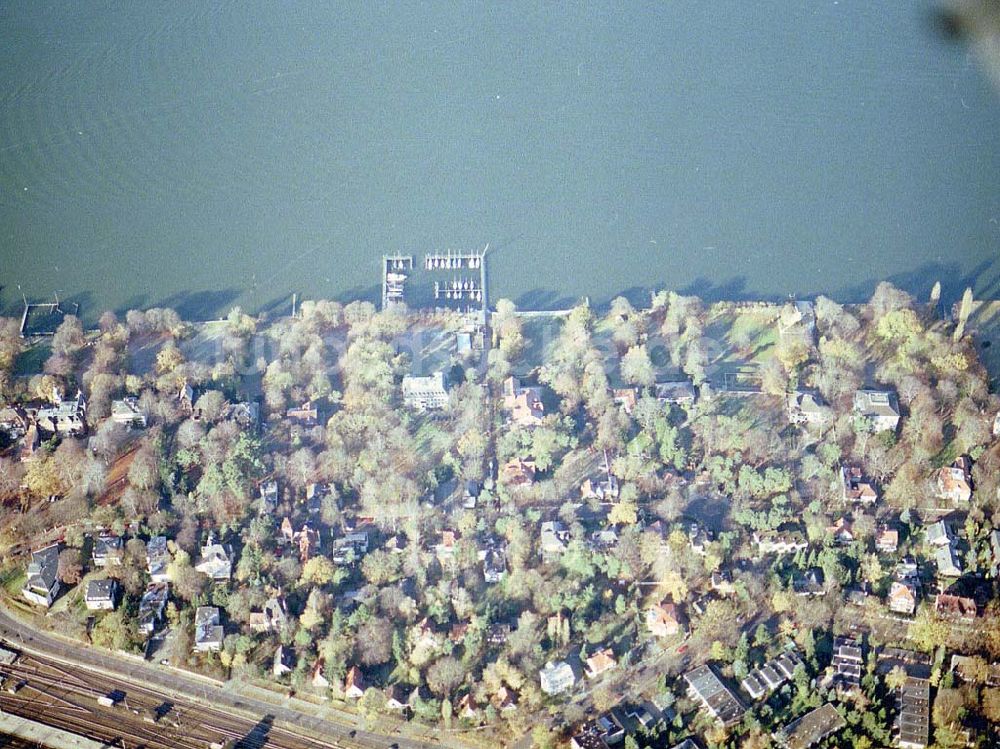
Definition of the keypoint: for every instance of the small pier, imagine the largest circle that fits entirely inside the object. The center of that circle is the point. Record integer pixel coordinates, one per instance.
(445, 280)
(458, 289)
(42, 319)
(453, 260)
(395, 271)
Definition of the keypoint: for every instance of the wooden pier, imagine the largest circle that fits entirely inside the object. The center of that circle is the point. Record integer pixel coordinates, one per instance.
(394, 278)
(42, 319)
(452, 279)
(453, 260)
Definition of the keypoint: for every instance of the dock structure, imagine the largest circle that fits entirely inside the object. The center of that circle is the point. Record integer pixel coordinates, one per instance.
(394, 278)
(458, 289)
(453, 260)
(453, 280)
(42, 319)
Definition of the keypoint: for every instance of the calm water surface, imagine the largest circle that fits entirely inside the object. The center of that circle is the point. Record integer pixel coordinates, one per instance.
(204, 154)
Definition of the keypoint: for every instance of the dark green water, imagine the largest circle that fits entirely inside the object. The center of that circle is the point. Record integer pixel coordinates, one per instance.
(203, 154)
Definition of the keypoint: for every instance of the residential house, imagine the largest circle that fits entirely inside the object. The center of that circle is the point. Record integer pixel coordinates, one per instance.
(271, 618)
(127, 412)
(268, 497)
(428, 393)
(315, 494)
(101, 595)
(245, 414)
(765, 679)
(603, 540)
(604, 487)
(625, 398)
(609, 728)
(662, 619)
(807, 408)
(902, 597)
(504, 699)
(879, 407)
(467, 707)
(587, 737)
(185, 398)
(774, 542)
(306, 413)
(601, 661)
(556, 677)
(157, 559)
(699, 538)
(856, 488)
(522, 404)
(954, 482)
(519, 472)
(967, 669)
(42, 584)
(284, 661)
(397, 699)
(349, 548)
(848, 661)
(151, 606)
(842, 531)
(208, 632)
(686, 744)
(811, 728)
(424, 635)
(939, 534)
(107, 550)
(995, 550)
(316, 676)
(947, 562)
(307, 539)
(912, 724)
(494, 559)
(30, 443)
(216, 560)
(714, 696)
(887, 540)
(554, 539)
(470, 494)
(956, 608)
(856, 595)
(66, 417)
(908, 570)
(809, 583)
(681, 393)
(444, 550)
(354, 683)
(722, 583)
(14, 422)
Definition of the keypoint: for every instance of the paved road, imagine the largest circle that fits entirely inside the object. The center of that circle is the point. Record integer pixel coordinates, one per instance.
(207, 691)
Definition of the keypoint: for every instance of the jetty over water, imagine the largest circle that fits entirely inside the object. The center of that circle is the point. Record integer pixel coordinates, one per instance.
(444, 280)
(42, 319)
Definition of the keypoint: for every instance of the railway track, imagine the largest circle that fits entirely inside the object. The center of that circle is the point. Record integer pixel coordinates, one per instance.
(141, 718)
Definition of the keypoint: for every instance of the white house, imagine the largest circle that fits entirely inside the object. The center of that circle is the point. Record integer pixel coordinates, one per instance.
(208, 632)
(101, 595)
(428, 393)
(557, 677)
(42, 585)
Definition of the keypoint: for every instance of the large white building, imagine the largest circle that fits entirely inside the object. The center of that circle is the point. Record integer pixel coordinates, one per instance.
(426, 393)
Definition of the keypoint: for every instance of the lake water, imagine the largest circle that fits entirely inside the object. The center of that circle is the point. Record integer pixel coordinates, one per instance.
(201, 154)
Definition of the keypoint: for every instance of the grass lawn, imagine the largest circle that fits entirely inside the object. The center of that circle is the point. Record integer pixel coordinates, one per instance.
(13, 579)
(32, 360)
